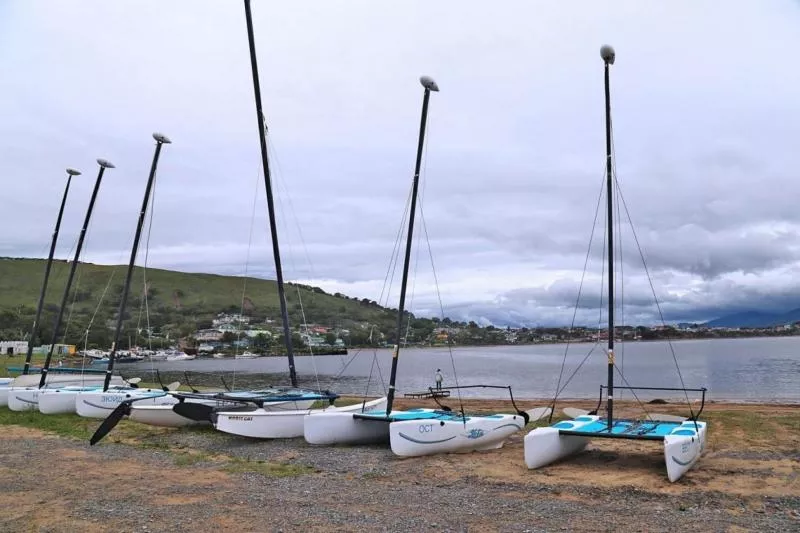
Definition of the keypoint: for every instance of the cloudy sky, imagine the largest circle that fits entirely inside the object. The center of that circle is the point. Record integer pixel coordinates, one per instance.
(706, 115)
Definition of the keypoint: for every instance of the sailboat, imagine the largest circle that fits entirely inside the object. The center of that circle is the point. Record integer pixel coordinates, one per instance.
(98, 403)
(275, 412)
(414, 432)
(256, 418)
(23, 395)
(684, 439)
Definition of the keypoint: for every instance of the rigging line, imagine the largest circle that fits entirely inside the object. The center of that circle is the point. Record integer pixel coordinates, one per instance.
(435, 276)
(575, 372)
(72, 304)
(413, 282)
(647, 271)
(245, 274)
(283, 224)
(395, 257)
(658, 305)
(145, 301)
(152, 209)
(580, 291)
(621, 261)
(441, 309)
(308, 336)
(641, 404)
(282, 183)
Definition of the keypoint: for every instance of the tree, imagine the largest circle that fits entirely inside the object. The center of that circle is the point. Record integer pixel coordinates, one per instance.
(261, 342)
(330, 339)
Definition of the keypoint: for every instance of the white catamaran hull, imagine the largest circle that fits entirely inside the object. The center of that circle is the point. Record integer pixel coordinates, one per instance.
(5, 386)
(100, 404)
(61, 401)
(683, 447)
(330, 427)
(413, 438)
(164, 416)
(546, 445)
(20, 395)
(23, 398)
(262, 424)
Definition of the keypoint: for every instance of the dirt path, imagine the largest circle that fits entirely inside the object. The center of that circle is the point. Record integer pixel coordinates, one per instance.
(200, 480)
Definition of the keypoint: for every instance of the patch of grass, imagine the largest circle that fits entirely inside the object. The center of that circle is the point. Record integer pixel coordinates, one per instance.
(68, 425)
(191, 458)
(266, 468)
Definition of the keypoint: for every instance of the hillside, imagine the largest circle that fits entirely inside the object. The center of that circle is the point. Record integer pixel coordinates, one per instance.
(755, 319)
(178, 302)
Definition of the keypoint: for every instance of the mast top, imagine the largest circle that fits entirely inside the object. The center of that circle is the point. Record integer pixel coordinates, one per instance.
(160, 137)
(608, 54)
(105, 163)
(73, 172)
(429, 84)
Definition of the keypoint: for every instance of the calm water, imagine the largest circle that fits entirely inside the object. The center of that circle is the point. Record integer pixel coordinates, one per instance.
(760, 369)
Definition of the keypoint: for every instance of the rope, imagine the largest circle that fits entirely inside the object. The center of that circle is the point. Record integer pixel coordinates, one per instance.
(658, 305)
(441, 309)
(621, 278)
(577, 301)
(244, 274)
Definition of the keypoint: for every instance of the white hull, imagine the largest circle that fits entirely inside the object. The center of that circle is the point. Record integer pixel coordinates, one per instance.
(4, 390)
(545, 445)
(163, 415)
(100, 404)
(263, 424)
(330, 427)
(23, 398)
(27, 398)
(683, 447)
(413, 438)
(59, 401)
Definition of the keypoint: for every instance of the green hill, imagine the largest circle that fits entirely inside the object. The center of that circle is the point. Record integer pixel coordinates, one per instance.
(178, 303)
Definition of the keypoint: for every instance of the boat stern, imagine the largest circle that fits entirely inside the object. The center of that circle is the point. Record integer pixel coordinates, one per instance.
(683, 447)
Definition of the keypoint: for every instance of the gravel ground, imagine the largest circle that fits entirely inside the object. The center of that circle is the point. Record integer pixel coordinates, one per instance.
(201, 480)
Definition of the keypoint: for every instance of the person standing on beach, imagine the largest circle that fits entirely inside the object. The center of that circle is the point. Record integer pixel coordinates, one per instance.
(439, 379)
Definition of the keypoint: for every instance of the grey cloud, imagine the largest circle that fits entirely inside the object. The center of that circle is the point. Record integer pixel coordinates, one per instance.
(705, 142)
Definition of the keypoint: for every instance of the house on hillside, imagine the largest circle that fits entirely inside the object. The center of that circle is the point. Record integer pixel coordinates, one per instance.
(224, 319)
(13, 347)
(206, 335)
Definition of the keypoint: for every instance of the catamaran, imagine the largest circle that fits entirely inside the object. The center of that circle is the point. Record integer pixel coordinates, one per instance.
(684, 439)
(276, 412)
(98, 403)
(255, 418)
(414, 432)
(23, 394)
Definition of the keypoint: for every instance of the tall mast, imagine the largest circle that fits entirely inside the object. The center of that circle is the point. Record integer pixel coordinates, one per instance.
(429, 85)
(103, 166)
(160, 141)
(608, 55)
(262, 135)
(35, 329)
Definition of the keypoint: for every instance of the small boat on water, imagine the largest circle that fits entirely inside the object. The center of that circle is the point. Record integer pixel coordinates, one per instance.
(181, 356)
(684, 439)
(246, 355)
